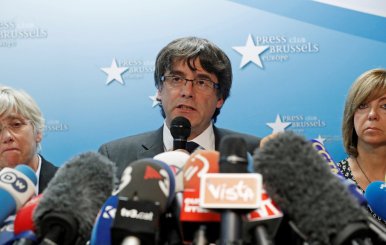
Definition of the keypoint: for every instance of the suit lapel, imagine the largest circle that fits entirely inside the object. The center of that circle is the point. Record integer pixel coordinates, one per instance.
(152, 145)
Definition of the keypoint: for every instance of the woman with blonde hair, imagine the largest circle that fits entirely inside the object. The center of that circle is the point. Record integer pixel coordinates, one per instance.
(21, 132)
(364, 130)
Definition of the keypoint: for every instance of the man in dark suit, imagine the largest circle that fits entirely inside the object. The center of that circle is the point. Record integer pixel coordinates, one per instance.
(193, 77)
(21, 132)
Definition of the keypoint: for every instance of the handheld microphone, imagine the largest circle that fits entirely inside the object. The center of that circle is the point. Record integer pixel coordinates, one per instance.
(352, 187)
(176, 161)
(317, 203)
(72, 199)
(261, 224)
(17, 186)
(24, 217)
(25, 238)
(376, 197)
(198, 224)
(234, 190)
(180, 129)
(101, 234)
(6, 231)
(146, 190)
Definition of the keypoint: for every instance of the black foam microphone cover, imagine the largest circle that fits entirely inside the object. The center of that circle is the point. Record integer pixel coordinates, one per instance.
(67, 210)
(233, 154)
(180, 129)
(302, 185)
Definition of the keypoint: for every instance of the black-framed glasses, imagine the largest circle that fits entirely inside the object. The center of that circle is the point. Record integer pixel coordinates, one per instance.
(200, 84)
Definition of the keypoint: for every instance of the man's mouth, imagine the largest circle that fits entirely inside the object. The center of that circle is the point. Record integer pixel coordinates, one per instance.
(185, 107)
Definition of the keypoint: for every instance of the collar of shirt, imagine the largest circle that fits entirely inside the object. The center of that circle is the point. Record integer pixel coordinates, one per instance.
(38, 173)
(205, 139)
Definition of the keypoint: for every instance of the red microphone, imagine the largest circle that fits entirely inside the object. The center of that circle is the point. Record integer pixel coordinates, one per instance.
(23, 219)
(197, 222)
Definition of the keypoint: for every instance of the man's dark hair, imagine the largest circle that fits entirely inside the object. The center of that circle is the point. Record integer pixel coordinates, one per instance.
(188, 49)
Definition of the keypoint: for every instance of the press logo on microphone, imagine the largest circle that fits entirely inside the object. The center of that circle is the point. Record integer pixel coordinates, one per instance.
(18, 184)
(135, 214)
(230, 190)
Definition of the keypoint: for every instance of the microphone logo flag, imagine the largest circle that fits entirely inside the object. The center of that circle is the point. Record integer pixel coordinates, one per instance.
(240, 191)
(10, 178)
(109, 212)
(151, 173)
(267, 210)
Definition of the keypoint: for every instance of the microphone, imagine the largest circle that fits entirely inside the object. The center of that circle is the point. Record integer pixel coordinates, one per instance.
(180, 129)
(262, 224)
(23, 219)
(6, 231)
(101, 234)
(25, 238)
(176, 161)
(198, 224)
(350, 184)
(234, 191)
(17, 186)
(318, 205)
(376, 197)
(71, 201)
(146, 190)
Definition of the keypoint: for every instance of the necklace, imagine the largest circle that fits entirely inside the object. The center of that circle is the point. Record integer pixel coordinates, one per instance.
(362, 170)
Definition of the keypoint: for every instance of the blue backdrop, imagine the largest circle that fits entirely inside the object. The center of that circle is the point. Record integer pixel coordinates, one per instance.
(89, 64)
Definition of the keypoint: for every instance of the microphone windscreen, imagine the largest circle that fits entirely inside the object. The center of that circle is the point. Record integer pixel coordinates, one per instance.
(233, 154)
(376, 198)
(149, 180)
(302, 185)
(76, 193)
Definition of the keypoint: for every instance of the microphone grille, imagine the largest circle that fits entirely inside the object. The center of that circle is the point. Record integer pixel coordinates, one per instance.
(233, 154)
(180, 127)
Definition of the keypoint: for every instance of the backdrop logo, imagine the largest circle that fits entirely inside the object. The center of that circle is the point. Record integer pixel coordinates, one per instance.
(299, 123)
(127, 69)
(136, 69)
(274, 48)
(11, 32)
(54, 126)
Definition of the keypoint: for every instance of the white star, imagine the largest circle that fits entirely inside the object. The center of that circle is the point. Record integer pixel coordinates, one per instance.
(250, 52)
(114, 73)
(154, 99)
(320, 139)
(278, 126)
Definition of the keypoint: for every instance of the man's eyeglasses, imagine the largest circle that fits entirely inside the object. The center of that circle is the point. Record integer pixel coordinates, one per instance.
(200, 84)
(14, 125)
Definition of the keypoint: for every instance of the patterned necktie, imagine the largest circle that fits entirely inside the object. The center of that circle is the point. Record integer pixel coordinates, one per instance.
(191, 146)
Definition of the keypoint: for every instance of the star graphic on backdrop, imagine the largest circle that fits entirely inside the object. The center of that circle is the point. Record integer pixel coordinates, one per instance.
(114, 73)
(278, 126)
(154, 99)
(250, 52)
(320, 139)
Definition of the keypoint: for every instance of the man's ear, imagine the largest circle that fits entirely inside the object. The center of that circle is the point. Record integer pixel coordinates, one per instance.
(158, 96)
(220, 102)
